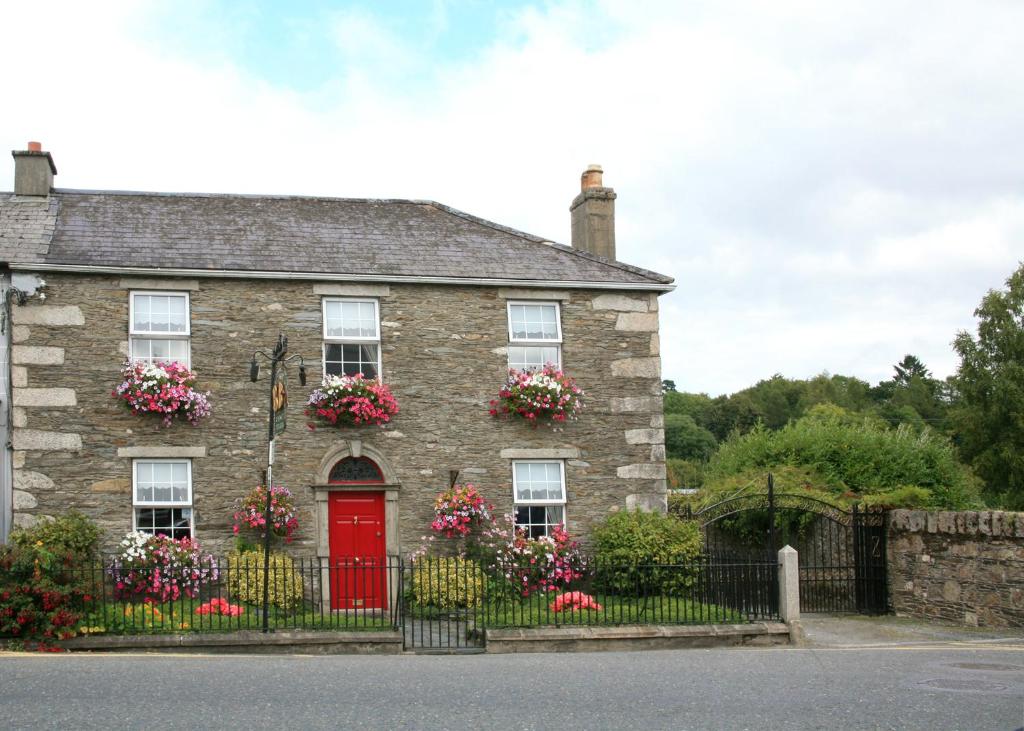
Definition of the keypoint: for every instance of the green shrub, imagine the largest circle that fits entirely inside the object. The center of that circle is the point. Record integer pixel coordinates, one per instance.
(685, 473)
(447, 583)
(631, 549)
(69, 534)
(245, 579)
(42, 597)
(908, 496)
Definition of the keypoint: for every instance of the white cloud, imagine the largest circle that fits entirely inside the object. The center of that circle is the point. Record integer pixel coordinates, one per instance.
(833, 185)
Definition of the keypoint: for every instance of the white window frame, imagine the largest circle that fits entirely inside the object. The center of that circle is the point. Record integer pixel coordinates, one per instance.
(136, 505)
(150, 335)
(334, 340)
(516, 502)
(555, 343)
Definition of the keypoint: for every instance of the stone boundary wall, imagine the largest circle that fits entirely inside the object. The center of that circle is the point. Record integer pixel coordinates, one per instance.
(960, 567)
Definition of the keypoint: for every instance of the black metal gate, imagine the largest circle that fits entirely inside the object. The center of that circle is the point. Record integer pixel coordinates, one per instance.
(841, 553)
(442, 605)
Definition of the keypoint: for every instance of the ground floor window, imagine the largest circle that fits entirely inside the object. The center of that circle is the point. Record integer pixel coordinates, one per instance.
(538, 489)
(162, 497)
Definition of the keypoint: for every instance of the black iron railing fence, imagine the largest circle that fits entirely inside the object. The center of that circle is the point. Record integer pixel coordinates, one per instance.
(393, 593)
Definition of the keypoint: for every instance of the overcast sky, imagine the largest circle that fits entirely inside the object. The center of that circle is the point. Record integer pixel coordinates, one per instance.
(832, 184)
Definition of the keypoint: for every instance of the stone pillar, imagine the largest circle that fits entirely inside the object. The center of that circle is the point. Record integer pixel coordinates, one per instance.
(789, 592)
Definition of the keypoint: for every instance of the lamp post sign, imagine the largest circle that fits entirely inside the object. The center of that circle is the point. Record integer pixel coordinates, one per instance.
(279, 400)
(276, 424)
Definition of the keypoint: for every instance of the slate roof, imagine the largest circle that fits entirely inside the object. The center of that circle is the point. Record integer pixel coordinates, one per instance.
(287, 234)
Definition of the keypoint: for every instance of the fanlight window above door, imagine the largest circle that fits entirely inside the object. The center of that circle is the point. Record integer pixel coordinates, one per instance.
(356, 470)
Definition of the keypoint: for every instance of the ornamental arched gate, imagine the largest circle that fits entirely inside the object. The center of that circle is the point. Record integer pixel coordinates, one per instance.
(841, 553)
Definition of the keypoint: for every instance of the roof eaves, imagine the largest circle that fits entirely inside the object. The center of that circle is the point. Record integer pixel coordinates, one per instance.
(646, 273)
(640, 271)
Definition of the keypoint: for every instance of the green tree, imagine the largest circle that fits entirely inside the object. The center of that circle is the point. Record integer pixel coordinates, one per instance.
(685, 439)
(668, 386)
(989, 415)
(910, 368)
(852, 455)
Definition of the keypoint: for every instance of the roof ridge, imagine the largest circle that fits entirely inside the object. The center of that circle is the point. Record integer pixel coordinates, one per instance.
(269, 196)
(647, 273)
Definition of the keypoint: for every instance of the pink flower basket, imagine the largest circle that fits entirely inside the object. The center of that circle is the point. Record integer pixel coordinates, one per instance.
(351, 400)
(165, 389)
(547, 396)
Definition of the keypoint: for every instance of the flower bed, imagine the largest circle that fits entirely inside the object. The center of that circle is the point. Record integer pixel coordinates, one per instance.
(165, 389)
(546, 396)
(160, 569)
(351, 400)
(545, 563)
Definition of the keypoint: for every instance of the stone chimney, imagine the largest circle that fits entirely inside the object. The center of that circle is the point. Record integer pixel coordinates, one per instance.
(593, 215)
(33, 171)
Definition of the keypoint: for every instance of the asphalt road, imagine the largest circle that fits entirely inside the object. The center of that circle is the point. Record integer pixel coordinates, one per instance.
(920, 687)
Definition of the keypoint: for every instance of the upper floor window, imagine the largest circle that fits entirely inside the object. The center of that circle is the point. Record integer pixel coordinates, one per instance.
(159, 327)
(162, 497)
(538, 491)
(534, 334)
(351, 337)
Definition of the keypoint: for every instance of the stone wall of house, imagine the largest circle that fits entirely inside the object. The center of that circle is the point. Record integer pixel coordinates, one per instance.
(959, 567)
(444, 356)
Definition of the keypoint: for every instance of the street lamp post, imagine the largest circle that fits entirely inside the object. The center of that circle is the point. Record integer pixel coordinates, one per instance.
(276, 423)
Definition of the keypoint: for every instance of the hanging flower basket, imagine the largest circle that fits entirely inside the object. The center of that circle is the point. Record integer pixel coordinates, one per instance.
(251, 512)
(459, 510)
(546, 396)
(165, 389)
(351, 400)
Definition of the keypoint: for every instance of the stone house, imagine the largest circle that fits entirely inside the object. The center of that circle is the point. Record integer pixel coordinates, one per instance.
(439, 303)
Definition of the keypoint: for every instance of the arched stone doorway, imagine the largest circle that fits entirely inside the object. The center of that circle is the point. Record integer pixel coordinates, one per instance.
(356, 468)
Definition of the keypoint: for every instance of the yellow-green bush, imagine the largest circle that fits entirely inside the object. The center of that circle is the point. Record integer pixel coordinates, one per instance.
(245, 579)
(447, 583)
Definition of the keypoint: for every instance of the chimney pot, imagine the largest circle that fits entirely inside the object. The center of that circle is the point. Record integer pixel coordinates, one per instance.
(591, 177)
(35, 146)
(593, 215)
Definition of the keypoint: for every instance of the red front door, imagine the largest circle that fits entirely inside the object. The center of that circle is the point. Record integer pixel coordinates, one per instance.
(358, 564)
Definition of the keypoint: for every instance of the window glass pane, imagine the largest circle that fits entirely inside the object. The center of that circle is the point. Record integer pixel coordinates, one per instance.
(351, 359)
(142, 313)
(332, 313)
(152, 350)
(161, 482)
(539, 520)
(173, 522)
(534, 322)
(143, 482)
(160, 313)
(539, 481)
(533, 357)
(351, 319)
